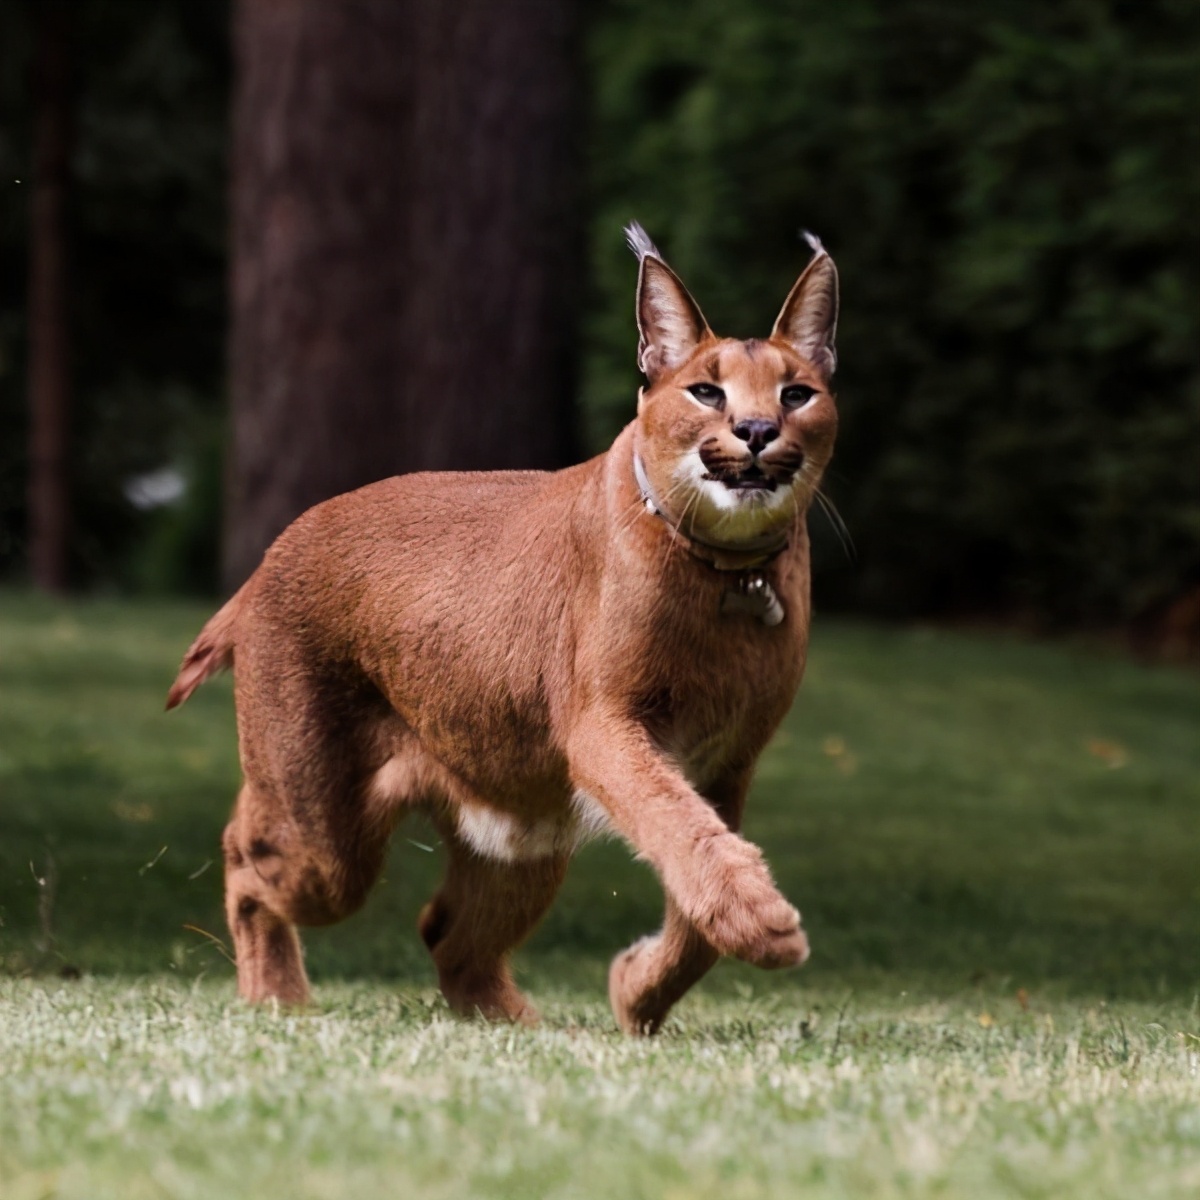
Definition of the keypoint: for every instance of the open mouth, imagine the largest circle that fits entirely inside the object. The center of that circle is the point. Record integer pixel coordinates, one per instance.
(752, 479)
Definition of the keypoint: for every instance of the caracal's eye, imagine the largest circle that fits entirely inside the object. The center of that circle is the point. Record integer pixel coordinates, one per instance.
(707, 393)
(796, 395)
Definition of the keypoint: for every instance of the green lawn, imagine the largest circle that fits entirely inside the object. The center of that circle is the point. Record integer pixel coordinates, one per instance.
(996, 847)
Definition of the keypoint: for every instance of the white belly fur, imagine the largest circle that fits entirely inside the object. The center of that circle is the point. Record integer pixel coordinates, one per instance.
(506, 838)
(488, 831)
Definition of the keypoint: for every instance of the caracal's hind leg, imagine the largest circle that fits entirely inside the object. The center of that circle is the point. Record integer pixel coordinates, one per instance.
(648, 979)
(284, 867)
(483, 910)
(309, 832)
(270, 964)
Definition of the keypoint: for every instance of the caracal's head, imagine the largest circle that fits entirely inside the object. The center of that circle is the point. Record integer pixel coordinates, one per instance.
(733, 435)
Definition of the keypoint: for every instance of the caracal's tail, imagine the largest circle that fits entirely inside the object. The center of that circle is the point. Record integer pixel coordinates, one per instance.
(210, 653)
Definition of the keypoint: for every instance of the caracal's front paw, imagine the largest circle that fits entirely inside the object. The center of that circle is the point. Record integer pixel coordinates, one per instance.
(631, 988)
(740, 912)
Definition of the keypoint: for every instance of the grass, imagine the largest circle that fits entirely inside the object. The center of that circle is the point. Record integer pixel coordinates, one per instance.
(995, 845)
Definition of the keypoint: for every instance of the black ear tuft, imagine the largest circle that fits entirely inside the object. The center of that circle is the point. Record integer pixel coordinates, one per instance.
(638, 240)
(670, 323)
(808, 319)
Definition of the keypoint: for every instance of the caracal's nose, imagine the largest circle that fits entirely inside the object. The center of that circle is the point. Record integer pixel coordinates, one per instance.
(756, 433)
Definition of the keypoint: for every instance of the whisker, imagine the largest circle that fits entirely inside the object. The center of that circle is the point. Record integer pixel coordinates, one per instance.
(680, 485)
(630, 514)
(693, 499)
(627, 516)
(798, 516)
(675, 529)
(838, 525)
(807, 481)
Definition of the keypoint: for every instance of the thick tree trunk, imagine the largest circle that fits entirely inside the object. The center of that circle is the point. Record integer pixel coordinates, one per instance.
(404, 247)
(49, 370)
(495, 233)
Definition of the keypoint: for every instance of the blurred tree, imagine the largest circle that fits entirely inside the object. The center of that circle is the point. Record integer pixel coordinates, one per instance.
(49, 339)
(405, 222)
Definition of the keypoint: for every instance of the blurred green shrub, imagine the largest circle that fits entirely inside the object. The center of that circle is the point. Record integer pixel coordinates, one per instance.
(1010, 191)
(1011, 195)
(178, 549)
(147, 254)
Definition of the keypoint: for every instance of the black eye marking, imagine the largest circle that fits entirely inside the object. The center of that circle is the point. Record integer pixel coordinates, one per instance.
(707, 393)
(796, 395)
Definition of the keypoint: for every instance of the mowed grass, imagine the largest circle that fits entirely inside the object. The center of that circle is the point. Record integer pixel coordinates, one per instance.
(996, 846)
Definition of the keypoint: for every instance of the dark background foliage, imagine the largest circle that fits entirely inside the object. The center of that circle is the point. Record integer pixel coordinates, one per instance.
(147, 251)
(1009, 190)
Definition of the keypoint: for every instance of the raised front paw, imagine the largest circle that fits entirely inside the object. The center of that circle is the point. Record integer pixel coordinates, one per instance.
(737, 908)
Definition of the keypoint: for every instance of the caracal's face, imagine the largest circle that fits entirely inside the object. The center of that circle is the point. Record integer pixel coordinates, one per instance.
(734, 442)
(734, 435)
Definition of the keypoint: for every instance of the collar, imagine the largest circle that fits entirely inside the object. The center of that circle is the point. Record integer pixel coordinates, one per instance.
(746, 556)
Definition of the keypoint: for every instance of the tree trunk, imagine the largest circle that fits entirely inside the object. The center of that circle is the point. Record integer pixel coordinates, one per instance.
(405, 234)
(49, 369)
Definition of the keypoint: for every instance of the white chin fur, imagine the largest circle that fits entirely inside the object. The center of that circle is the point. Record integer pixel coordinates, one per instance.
(729, 516)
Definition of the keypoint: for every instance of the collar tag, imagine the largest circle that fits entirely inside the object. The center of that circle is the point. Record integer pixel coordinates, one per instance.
(754, 597)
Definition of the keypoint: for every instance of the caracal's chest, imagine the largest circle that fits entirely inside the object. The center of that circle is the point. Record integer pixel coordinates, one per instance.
(716, 699)
(716, 733)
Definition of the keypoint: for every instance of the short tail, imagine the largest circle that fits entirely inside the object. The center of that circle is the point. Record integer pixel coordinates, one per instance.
(209, 654)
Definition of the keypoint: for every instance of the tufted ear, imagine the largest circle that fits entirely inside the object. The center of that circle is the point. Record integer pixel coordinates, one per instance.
(808, 320)
(670, 323)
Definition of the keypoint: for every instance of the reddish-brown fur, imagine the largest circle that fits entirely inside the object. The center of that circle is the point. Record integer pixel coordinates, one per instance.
(523, 654)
